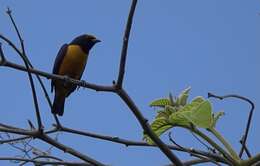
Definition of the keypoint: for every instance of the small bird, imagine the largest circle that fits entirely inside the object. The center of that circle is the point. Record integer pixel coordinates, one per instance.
(70, 61)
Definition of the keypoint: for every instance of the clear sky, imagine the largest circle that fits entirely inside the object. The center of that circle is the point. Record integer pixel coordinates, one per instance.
(208, 45)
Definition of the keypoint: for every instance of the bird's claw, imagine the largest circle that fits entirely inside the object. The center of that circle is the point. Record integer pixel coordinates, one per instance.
(83, 83)
(66, 80)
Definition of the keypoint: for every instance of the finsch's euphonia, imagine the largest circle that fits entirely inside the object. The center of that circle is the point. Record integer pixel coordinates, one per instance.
(70, 61)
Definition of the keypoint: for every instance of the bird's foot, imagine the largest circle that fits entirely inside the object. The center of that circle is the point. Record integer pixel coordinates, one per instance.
(66, 80)
(83, 83)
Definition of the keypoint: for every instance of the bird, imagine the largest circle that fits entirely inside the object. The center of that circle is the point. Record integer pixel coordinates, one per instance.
(70, 62)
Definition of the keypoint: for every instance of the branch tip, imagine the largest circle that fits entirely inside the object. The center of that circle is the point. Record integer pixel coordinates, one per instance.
(245, 135)
(9, 11)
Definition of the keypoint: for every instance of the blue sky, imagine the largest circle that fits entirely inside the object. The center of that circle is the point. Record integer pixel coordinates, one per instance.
(208, 45)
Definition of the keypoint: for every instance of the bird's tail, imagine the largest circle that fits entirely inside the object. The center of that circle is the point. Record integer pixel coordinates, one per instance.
(58, 104)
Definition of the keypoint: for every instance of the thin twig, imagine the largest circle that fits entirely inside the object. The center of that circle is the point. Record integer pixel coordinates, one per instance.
(83, 84)
(146, 127)
(15, 146)
(174, 142)
(202, 159)
(211, 142)
(30, 64)
(124, 96)
(28, 61)
(53, 142)
(127, 143)
(26, 137)
(69, 150)
(23, 56)
(196, 161)
(246, 150)
(38, 162)
(42, 156)
(204, 144)
(245, 135)
(2, 57)
(125, 44)
(142, 120)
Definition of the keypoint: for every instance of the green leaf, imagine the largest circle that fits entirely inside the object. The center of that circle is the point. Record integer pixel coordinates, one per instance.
(166, 112)
(183, 97)
(198, 113)
(177, 119)
(198, 99)
(163, 114)
(216, 117)
(170, 108)
(172, 100)
(200, 116)
(180, 118)
(159, 126)
(194, 103)
(160, 102)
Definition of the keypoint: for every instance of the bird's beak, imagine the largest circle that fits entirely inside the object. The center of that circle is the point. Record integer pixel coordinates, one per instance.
(96, 41)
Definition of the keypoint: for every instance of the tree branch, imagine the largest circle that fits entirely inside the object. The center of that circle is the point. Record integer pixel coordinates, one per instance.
(125, 142)
(2, 57)
(245, 135)
(24, 58)
(197, 161)
(117, 89)
(90, 86)
(146, 127)
(246, 150)
(125, 44)
(43, 157)
(69, 150)
(44, 162)
(42, 136)
(212, 143)
(83, 84)
(251, 161)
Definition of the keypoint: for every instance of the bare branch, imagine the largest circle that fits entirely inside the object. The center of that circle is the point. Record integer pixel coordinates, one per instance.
(211, 142)
(45, 162)
(2, 57)
(245, 135)
(43, 157)
(69, 150)
(126, 142)
(200, 160)
(204, 144)
(125, 44)
(174, 142)
(83, 84)
(25, 69)
(140, 117)
(19, 131)
(25, 137)
(254, 161)
(196, 161)
(246, 150)
(145, 125)
(42, 136)
(24, 58)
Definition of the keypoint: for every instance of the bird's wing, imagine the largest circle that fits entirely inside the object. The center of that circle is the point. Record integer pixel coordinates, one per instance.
(58, 61)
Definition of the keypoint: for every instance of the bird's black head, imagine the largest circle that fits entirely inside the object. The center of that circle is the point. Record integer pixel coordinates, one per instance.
(86, 42)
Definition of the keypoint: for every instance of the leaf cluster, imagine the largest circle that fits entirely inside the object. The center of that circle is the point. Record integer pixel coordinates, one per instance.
(177, 111)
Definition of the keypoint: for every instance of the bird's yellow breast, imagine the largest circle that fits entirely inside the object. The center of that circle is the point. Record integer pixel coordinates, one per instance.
(74, 62)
